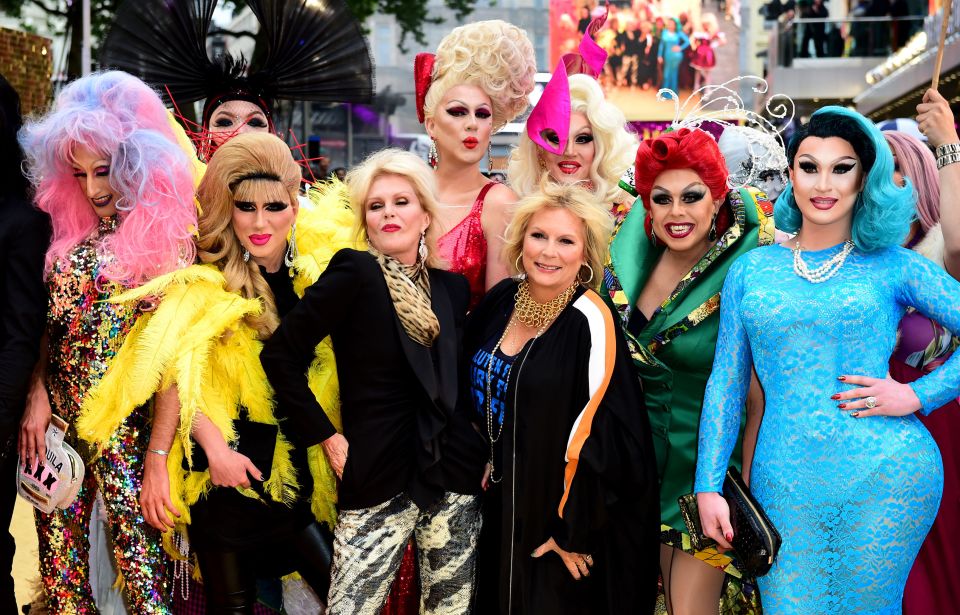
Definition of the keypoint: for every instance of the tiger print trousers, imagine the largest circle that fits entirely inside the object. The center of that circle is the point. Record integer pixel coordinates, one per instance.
(369, 545)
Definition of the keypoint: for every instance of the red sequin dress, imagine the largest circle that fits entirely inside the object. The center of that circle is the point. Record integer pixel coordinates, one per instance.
(464, 248)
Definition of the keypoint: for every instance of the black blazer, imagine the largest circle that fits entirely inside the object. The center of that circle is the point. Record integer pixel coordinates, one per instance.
(396, 395)
(24, 237)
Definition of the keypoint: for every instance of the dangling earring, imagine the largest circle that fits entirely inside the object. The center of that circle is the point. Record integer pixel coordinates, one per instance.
(292, 252)
(433, 158)
(585, 282)
(653, 239)
(246, 255)
(489, 157)
(422, 248)
(712, 235)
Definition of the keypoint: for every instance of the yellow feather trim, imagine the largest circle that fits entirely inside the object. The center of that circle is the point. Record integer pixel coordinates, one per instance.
(148, 352)
(321, 233)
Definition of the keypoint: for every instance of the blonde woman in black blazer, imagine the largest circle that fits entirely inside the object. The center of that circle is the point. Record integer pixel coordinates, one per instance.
(394, 320)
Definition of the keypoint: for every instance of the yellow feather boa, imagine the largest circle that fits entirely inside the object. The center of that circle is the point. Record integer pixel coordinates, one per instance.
(197, 339)
(322, 231)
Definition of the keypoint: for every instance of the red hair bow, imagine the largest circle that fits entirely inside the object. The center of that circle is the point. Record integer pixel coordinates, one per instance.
(422, 77)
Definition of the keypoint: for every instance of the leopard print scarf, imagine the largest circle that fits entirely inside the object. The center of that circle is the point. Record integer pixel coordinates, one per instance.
(409, 287)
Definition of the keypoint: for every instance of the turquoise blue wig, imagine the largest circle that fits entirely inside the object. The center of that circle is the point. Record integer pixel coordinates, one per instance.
(884, 211)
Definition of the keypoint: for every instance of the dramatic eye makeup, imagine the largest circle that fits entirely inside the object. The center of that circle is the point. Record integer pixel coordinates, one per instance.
(584, 138)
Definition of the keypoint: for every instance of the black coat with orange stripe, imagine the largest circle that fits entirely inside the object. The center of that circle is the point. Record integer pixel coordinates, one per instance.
(610, 500)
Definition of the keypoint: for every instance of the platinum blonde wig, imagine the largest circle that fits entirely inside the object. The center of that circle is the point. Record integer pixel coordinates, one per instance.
(616, 147)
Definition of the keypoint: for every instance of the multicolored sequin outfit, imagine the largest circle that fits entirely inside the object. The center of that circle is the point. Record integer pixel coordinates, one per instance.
(673, 354)
(85, 332)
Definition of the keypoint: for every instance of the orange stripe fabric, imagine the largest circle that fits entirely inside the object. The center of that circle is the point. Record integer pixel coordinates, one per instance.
(582, 432)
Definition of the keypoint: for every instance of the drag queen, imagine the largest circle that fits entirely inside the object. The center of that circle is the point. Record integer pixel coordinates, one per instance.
(209, 322)
(843, 467)
(574, 135)
(668, 261)
(119, 192)
(306, 51)
(478, 81)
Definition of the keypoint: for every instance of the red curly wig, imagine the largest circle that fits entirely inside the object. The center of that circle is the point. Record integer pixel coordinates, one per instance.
(683, 149)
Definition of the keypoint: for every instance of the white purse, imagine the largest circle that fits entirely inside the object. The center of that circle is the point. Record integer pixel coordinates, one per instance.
(55, 481)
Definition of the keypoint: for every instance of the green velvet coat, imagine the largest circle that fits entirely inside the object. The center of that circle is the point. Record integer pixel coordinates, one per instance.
(673, 354)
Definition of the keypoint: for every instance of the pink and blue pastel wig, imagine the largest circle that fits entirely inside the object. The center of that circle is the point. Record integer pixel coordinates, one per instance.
(121, 119)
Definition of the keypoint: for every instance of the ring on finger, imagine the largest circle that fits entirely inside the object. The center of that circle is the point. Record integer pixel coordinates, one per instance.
(870, 402)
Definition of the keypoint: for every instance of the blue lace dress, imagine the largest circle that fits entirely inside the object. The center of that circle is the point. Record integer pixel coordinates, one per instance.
(852, 498)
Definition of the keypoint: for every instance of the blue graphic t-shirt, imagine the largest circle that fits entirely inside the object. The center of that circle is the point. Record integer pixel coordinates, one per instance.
(499, 375)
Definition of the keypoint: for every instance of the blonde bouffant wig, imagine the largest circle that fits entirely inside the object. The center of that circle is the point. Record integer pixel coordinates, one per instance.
(253, 167)
(393, 161)
(594, 215)
(493, 55)
(615, 146)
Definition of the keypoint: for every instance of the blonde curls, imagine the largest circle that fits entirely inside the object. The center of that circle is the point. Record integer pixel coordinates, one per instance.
(410, 167)
(583, 204)
(493, 55)
(616, 147)
(247, 163)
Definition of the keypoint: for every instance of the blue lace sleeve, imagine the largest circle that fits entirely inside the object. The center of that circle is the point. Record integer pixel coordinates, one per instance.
(727, 388)
(936, 295)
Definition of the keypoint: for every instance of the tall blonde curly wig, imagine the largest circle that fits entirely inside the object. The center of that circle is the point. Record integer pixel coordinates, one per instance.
(616, 147)
(493, 55)
(248, 167)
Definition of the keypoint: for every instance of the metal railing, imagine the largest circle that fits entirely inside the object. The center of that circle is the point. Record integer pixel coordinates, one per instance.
(851, 37)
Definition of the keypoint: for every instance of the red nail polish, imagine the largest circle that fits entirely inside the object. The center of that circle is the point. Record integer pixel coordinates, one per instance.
(842, 378)
(841, 405)
(837, 396)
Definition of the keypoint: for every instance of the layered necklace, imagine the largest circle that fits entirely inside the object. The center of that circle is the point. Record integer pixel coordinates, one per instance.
(532, 314)
(825, 271)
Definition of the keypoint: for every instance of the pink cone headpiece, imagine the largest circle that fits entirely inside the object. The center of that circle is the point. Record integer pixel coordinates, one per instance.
(552, 111)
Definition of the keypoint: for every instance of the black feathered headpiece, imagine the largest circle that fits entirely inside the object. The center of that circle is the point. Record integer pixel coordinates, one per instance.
(307, 50)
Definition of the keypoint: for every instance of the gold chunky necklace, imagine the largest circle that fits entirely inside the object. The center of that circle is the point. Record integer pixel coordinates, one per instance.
(531, 314)
(538, 315)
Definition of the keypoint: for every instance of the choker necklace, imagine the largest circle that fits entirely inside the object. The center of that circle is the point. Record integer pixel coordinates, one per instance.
(825, 271)
(538, 315)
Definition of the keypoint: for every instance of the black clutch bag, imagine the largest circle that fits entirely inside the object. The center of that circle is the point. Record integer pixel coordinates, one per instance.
(755, 540)
(258, 441)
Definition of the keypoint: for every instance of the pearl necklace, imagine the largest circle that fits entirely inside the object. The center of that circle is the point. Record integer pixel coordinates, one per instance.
(825, 271)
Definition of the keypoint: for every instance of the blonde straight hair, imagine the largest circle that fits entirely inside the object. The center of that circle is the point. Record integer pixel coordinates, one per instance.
(410, 167)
